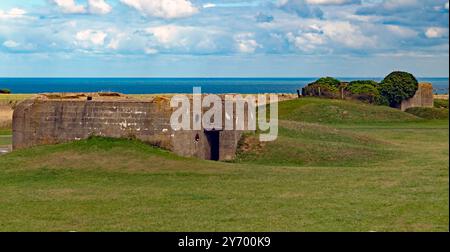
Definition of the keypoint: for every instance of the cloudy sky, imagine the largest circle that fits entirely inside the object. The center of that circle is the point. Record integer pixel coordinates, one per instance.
(229, 38)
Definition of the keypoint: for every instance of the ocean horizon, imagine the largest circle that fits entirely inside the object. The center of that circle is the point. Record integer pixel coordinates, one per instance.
(179, 85)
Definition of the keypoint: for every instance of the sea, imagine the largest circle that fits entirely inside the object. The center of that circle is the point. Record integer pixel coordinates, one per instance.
(176, 85)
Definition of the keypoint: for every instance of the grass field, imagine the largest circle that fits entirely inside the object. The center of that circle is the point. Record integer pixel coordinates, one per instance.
(356, 168)
(5, 138)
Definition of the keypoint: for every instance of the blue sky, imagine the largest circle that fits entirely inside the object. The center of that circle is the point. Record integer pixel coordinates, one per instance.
(233, 38)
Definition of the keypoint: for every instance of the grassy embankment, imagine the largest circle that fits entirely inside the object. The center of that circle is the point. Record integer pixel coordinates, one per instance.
(337, 166)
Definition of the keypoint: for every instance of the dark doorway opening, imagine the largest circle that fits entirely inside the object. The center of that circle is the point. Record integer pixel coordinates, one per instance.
(214, 144)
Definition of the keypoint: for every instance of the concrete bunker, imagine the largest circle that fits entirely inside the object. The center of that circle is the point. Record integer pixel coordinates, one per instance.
(60, 118)
(423, 97)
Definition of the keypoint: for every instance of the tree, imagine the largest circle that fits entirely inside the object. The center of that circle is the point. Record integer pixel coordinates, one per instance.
(398, 86)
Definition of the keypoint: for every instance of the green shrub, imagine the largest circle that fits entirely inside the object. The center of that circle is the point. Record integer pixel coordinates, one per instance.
(325, 87)
(328, 82)
(429, 113)
(398, 86)
(381, 100)
(320, 90)
(440, 103)
(366, 90)
(363, 82)
(363, 89)
(5, 91)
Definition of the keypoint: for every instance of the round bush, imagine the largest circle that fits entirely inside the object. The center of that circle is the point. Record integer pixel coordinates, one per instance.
(398, 86)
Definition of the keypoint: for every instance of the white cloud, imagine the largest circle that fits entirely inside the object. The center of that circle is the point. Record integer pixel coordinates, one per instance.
(93, 7)
(94, 37)
(170, 34)
(402, 32)
(436, 32)
(12, 13)
(306, 42)
(300, 7)
(70, 6)
(341, 30)
(99, 7)
(209, 5)
(325, 36)
(184, 39)
(114, 44)
(10, 44)
(163, 8)
(331, 2)
(347, 34)
(398, 4)
(14, 46)
(246, 43)
(150, 51)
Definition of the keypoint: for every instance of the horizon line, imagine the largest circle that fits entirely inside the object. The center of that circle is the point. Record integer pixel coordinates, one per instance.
(194, 77)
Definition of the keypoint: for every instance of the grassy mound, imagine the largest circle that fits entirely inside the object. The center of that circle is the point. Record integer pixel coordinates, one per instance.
(97, 154)
(328, 111)
(306, 144)
(429, 113)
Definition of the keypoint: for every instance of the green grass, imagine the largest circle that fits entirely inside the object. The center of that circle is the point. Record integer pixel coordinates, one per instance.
(14, 97)
(4, 132)
(440, 103)
(429, 113)
(5, 140)
(342, 176)
(327, 111)
(5, 137)
(306, 144)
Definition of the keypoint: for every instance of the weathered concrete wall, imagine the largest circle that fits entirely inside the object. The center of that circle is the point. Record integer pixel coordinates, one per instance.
(423, 98)
(52, 121)
(46, 122)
